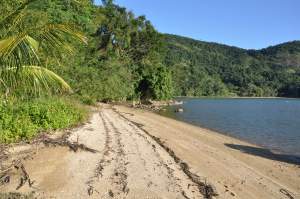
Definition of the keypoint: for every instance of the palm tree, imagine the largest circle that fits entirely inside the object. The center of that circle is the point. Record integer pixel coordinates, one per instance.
(21, 48)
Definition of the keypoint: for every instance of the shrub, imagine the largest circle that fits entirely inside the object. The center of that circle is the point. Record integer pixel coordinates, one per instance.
(22, 120)
(211, 86)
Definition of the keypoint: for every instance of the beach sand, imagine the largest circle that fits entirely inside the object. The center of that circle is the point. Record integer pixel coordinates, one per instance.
(144, 155)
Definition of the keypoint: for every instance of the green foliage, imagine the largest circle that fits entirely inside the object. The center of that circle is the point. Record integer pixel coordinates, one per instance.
(22, 120)
(162, 84)
(273, 71)
(21, 47)
(26, 40)
(211, 86)
(122, 54)
(156, 83)
(31, 80)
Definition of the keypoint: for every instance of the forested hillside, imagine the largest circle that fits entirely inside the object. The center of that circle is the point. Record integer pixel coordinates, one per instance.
(210, 69)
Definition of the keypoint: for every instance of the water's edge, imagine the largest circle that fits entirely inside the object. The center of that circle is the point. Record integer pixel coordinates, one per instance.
(169, 112)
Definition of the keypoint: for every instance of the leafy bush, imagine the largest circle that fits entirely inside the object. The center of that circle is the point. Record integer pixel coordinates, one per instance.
(24, 120)
(211, 86)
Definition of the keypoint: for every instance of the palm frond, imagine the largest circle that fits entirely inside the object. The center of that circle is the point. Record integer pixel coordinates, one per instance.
(8, 45)
(18, 50)
(33, 80)
(55, 38)
(23, 48)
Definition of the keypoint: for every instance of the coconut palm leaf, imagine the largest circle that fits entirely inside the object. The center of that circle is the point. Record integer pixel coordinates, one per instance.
(56, 38)
(23, 48)
(32, 80)
(18, 50)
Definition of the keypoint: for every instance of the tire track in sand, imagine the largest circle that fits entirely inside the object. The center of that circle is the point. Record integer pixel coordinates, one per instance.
(110, 176)
(152, 172)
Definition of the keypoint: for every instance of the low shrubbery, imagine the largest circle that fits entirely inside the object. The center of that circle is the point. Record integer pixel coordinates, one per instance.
(24, 120)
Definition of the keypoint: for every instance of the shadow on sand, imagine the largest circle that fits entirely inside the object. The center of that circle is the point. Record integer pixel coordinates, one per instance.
(266, 153)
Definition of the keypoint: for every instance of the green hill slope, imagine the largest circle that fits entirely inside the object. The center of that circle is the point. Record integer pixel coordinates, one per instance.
(205, 69)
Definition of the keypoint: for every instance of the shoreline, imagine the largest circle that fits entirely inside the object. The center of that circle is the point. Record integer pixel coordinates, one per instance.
(228, 97)
(138, 153)
(221, 133)
(170, 112)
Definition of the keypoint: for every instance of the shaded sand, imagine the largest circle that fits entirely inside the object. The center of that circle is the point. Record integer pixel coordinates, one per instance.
(143, 155)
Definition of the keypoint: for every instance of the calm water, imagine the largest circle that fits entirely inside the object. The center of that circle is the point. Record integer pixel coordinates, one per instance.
(271, 123)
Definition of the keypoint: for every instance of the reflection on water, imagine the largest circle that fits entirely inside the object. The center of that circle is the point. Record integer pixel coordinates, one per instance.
(272, 123)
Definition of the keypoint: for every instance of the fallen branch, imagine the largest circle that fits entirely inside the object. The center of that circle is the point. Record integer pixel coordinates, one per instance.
(74, 146)
(19, 166)
(287, 193)
(25, 176)
(4, 178)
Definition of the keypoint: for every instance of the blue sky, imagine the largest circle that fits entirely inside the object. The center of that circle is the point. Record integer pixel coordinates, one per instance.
(251, 24)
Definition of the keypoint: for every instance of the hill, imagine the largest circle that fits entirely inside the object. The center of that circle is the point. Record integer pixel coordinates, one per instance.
(204, 68)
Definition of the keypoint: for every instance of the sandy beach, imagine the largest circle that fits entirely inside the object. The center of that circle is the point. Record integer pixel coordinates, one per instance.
(139, 154)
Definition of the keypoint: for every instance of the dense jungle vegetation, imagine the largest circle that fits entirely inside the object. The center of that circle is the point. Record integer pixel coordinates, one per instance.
(89, 53)
(210, 69)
